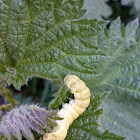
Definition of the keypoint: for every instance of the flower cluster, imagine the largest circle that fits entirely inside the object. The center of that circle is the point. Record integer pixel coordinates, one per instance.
(22, 120)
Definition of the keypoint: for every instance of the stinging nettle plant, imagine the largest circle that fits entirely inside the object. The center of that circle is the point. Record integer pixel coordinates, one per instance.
(54, 38)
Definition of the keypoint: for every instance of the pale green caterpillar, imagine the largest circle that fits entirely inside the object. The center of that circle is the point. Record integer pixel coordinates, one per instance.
(72, 110)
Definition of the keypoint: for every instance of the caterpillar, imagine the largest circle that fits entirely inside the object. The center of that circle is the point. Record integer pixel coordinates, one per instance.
(72, 110)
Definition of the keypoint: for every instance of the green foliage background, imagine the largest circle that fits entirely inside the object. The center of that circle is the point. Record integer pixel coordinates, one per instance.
(115, 53)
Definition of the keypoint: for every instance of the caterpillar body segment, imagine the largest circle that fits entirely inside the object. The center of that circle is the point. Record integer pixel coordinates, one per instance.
(85, 94)
(82, 104)
(71, 112)
(77, 109)
(73, 109)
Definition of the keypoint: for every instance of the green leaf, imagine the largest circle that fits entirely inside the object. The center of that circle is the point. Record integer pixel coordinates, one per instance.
(45, 38)
(121, 116)
(121, 75)
(86, 126)
(96, 9)
(61, 97)
(120, 71)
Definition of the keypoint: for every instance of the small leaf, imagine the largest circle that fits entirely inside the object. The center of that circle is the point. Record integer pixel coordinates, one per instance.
(61, 97)
(96, 9)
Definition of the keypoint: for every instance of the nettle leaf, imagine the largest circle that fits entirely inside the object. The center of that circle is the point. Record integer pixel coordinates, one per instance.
(96, 9)
(45, 38)
(121, 75)
(62, 96)
(121, 69)
(86, 126)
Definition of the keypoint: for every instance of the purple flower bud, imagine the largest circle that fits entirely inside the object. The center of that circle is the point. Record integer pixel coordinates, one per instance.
(22, 120)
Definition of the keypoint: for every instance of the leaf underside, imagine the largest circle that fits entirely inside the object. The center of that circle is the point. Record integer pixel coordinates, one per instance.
(121, 116)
